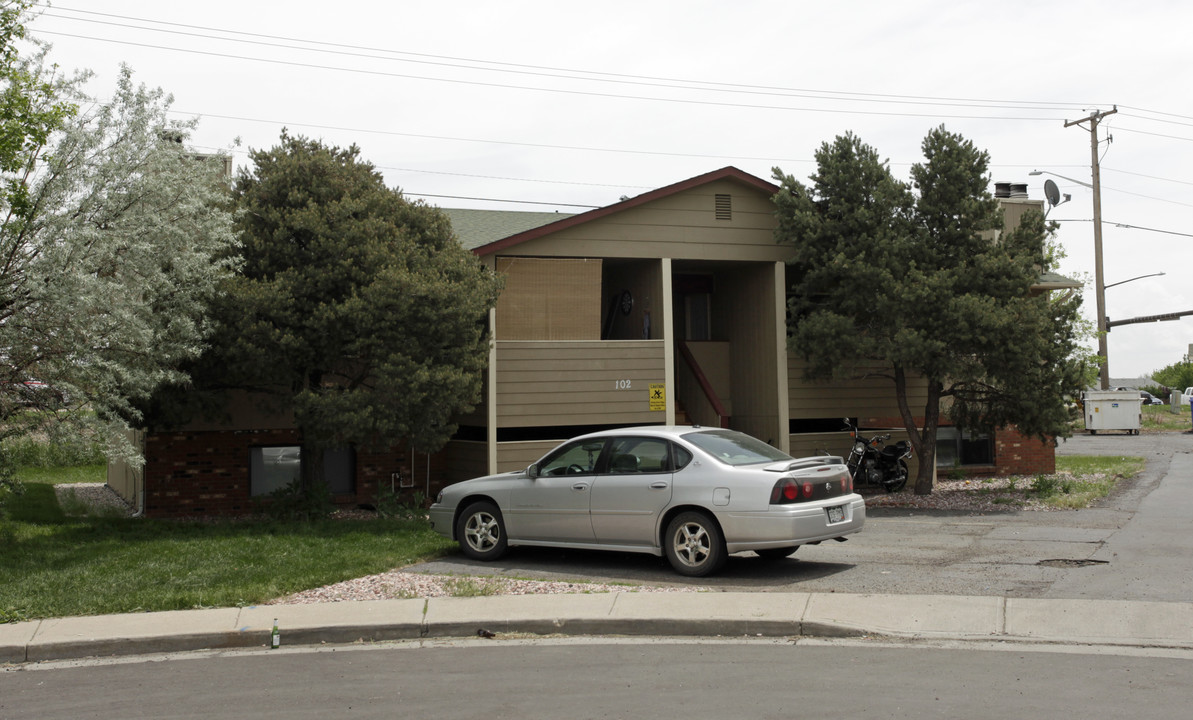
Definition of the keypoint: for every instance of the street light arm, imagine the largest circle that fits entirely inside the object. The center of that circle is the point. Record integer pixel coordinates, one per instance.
(1062, 177)
(1120, 282)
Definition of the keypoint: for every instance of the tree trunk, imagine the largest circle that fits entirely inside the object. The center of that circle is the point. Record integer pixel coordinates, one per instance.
(927, 454)
(922, 442)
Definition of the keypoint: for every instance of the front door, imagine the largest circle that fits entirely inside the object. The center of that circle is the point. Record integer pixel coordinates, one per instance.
(553, 507)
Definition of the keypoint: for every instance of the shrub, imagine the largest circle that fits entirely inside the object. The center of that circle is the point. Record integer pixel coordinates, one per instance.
(28, 451)
(296, 502)
(390, 504)
(1045, 485)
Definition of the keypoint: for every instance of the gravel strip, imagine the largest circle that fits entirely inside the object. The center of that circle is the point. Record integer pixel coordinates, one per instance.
(975, 495)
(396, 585)
(98, 497)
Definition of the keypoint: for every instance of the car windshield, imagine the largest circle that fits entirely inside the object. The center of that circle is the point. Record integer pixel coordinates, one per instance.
(735, 448)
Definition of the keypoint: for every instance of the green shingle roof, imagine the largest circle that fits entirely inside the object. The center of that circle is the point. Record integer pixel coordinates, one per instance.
(475, 228)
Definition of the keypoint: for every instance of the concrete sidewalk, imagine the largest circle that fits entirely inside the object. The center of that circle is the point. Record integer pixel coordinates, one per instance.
(1093, 622)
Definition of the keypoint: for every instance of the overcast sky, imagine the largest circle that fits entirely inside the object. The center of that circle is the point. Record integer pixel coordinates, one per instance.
(558, 106)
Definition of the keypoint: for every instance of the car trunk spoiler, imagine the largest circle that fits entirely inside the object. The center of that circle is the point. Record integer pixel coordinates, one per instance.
(819, 462)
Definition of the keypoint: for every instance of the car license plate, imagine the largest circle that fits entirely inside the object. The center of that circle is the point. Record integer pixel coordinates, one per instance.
(836, 514)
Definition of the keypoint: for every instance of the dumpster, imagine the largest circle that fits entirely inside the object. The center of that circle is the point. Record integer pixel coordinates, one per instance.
(1113, 410)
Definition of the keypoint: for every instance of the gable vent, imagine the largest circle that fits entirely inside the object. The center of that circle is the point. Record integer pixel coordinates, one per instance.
(724, 207)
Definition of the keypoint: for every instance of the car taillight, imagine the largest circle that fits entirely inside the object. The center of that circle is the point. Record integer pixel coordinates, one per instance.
(789, 490)
(784, 492)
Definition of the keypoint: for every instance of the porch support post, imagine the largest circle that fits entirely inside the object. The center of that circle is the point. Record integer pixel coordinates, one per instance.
(668, 340)
(491, 395)
(780, 349)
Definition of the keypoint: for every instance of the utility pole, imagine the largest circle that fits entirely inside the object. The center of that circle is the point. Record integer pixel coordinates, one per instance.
(1099, 281)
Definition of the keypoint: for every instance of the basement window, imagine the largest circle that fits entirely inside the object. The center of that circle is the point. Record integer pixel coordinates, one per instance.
(961, 447)
(723, 205)
(274, 468)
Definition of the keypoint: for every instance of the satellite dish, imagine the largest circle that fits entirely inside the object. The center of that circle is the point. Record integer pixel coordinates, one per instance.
(1052, 193)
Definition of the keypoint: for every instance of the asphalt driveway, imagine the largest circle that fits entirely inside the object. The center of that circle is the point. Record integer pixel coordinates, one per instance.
(1136, 545)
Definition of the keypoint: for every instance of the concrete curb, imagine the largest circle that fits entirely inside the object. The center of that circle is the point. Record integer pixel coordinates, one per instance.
(1093, 622)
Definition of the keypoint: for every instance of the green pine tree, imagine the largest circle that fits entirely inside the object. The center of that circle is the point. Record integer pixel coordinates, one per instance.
(916, 283)
(356, 307)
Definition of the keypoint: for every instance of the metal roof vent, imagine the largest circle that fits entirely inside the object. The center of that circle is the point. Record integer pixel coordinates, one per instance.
(1002, 189)
(1018, 190)
(724, 207)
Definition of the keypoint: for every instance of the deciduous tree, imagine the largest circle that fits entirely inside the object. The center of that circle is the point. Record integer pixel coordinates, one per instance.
(114, 238)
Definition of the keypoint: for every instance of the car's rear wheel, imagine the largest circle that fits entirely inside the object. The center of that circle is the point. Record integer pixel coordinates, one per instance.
(481, 531)
(776, 553)
(694, 545)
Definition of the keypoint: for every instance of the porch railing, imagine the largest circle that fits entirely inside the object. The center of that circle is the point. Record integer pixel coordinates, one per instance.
(696, 393)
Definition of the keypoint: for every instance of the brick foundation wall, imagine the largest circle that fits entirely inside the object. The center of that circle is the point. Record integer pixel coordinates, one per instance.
(1017, 454)
(1014, 453)
(197, 474)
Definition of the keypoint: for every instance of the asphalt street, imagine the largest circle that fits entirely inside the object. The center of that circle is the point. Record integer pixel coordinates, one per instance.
(708, 678)
(1135, 545)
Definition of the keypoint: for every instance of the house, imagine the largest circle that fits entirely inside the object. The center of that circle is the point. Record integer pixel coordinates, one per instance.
(666, 308)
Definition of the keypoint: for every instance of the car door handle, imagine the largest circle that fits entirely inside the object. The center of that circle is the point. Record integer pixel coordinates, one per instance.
(580, 486)
(658, 486)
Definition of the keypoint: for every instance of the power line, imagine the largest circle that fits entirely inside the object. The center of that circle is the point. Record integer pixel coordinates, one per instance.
(1150, 177)
(1126, 226)
(1155, 230)
(482, 199)
(1153, 134)
(548, 71)
(562, 91)
(546, 146)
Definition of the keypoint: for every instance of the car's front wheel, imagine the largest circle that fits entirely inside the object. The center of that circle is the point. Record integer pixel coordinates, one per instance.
(694, 545)
(481, 531)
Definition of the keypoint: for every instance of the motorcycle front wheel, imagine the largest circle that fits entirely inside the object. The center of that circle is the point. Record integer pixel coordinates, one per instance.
(898, 477)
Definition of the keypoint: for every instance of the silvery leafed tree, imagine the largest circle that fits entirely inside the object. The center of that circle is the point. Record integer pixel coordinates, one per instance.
(113, 240)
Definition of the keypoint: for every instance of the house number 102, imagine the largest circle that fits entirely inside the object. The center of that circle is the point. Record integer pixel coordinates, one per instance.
(621, 384)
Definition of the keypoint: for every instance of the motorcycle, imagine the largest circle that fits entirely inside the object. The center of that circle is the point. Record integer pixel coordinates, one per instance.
(873, 462)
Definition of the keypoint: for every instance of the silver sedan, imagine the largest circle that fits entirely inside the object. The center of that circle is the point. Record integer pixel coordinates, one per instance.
(694, 494)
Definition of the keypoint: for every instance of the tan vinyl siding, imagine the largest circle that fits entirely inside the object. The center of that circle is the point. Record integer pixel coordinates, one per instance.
(519, 455)
(549, 299)
(681, 226)
(577, 383)
(872, 397)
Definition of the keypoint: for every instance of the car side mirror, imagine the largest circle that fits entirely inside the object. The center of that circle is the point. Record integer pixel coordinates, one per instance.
(533, 471)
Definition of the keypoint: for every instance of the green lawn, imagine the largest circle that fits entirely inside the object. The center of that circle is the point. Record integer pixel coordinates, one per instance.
(52, 565)
(1083, 479)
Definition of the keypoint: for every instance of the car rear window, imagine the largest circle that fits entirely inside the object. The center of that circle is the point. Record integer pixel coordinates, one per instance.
(735, 448)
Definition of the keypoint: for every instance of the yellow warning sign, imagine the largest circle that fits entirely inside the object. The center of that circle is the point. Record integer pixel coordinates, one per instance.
(658, 396)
